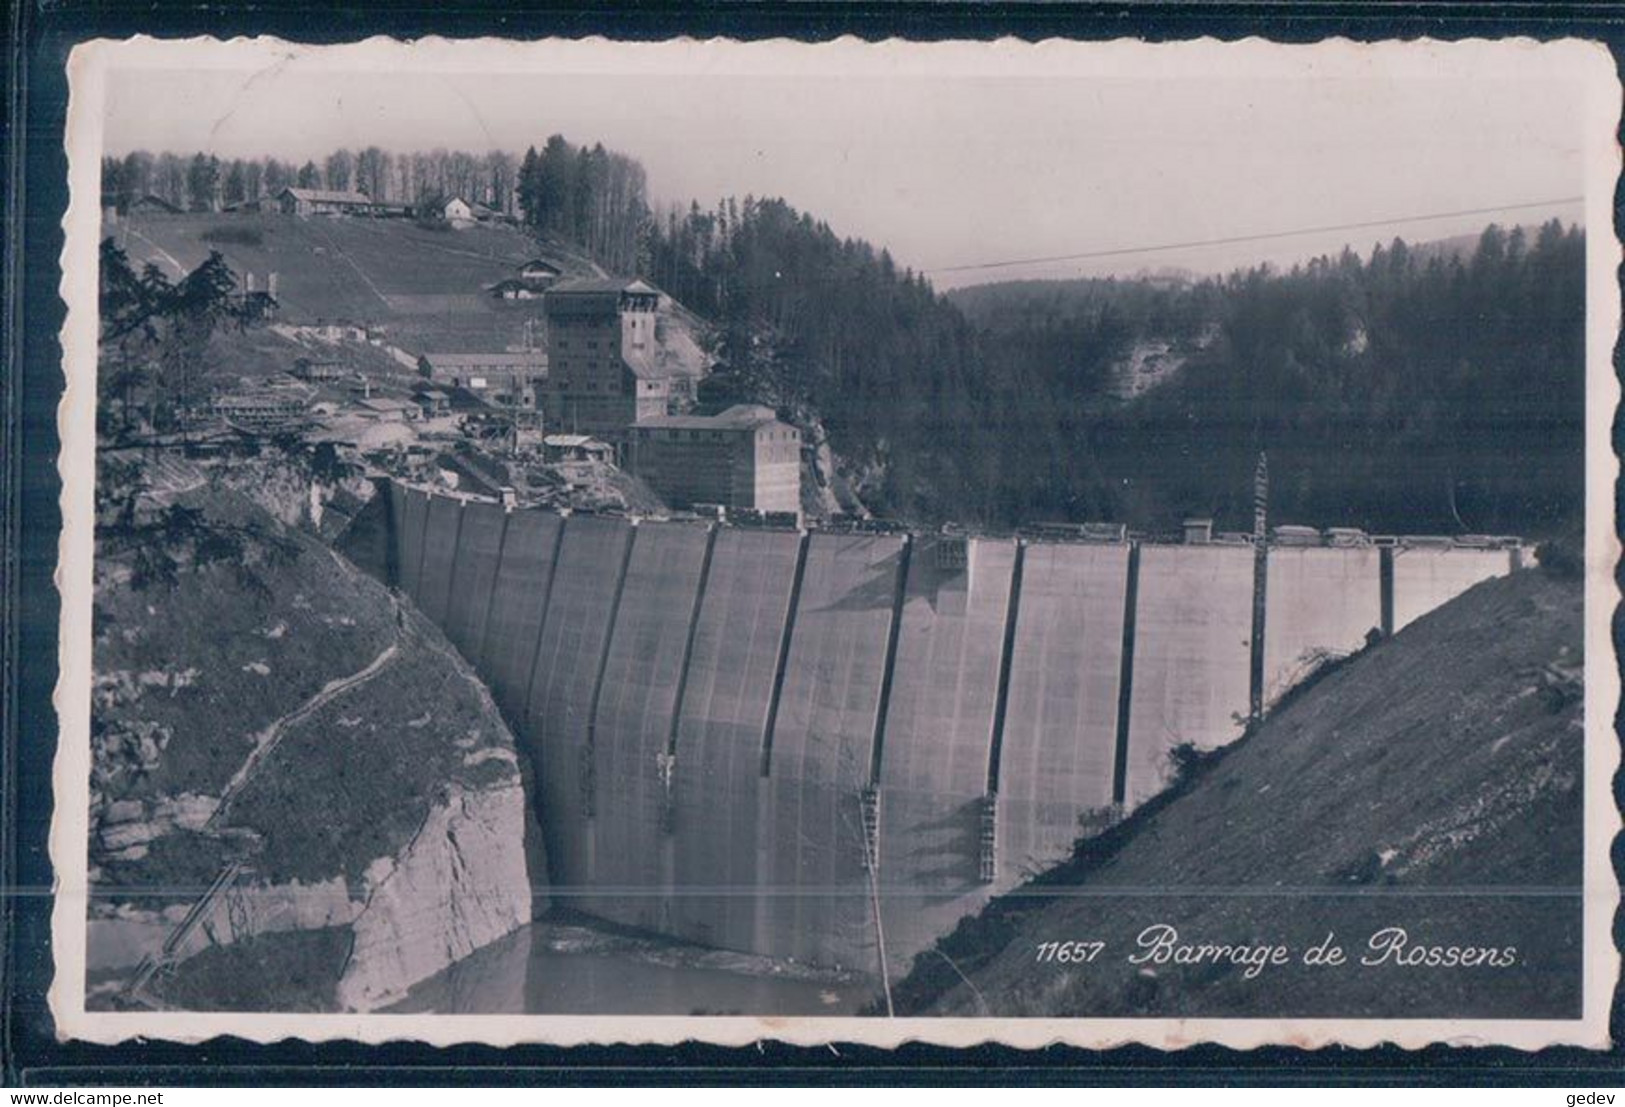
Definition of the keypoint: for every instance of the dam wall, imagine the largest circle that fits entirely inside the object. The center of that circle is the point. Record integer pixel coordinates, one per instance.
(631, 732)
(513, 615)
(938, 736)
(833, 745)
(820, 750)
(566, 682)
(1322, 604)
(1057, 757)
(740, 635)
(1191, 658)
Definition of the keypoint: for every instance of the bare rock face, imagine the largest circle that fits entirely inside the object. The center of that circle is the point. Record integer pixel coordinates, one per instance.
(460, 885)
(295, 777)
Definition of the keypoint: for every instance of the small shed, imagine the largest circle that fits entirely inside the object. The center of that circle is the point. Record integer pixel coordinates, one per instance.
(386, 409)
(576, 447)
(432, 402)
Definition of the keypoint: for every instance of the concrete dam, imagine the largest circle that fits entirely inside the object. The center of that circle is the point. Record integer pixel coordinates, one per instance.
(792, 743)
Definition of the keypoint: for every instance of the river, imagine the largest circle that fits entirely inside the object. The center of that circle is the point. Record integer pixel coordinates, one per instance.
(550, 968)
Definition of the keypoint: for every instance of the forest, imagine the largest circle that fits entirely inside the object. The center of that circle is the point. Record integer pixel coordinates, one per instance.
(1409, 390)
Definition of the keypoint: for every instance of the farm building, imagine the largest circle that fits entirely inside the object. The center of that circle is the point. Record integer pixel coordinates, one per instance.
(537, 270)
(515, 288)
(535, 278)
(322, 201)
(460, 212)
(151, 204)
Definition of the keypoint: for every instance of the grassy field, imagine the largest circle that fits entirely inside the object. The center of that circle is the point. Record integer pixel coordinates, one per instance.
(426, 287)
(367, 270)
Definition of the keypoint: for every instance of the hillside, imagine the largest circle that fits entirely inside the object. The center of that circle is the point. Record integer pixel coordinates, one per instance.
(1430, 783)
(426, 286)
(285, 758)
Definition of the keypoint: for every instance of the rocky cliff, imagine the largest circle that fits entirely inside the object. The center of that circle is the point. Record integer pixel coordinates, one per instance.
(301, 796)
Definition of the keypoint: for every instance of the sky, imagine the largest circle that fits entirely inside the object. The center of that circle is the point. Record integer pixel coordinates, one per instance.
(951, 163)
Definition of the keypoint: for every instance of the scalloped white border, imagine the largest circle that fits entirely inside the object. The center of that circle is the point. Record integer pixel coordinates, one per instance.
(1589, 65)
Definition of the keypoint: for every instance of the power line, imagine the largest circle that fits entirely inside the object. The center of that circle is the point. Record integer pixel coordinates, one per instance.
(1368, 224)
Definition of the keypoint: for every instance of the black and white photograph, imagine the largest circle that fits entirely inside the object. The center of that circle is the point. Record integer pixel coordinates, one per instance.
(590, 541)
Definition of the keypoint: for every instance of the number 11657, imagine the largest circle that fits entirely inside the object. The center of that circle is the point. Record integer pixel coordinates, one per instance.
(1069, 953)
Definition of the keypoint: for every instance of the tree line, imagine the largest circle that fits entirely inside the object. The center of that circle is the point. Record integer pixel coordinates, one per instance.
(590, 197)
(203, 182)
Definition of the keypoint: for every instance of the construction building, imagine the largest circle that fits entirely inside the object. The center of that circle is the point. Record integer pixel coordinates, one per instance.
(744, 458)
(604, 372)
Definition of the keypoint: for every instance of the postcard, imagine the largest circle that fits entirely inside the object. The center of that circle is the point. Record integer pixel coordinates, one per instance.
(593, 541)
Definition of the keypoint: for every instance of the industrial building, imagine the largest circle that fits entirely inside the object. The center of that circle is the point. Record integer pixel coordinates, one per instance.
(260, 410)
(743, 458)
(603, 371)
(515, 375)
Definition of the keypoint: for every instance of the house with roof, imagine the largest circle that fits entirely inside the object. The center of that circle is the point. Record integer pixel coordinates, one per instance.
(540, 271)
(744, 458)
(535, 277)
(463, 213)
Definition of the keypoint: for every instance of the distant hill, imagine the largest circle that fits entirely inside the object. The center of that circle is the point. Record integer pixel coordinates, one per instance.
(1009, 304)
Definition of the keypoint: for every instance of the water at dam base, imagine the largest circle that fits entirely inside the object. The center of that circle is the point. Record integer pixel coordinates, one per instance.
(551, 969)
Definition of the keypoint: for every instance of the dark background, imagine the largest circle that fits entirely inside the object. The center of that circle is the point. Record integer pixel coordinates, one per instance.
(39, 36)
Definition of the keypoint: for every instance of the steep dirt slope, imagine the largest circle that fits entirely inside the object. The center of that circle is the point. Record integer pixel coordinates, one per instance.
(285, 759)
(1431, 783)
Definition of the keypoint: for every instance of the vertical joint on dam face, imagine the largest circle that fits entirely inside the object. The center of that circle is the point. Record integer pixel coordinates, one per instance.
(456, 556)
(889, 666)
(784, 654)
(688, 642)
(416, 581)
(1001, 695)
(547, 602)
(589, 778)
(1125, 676)
(1255, 640)
(1385, 577)
(393, 532)
(484, 635)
